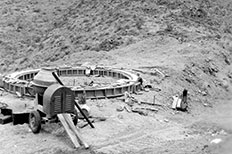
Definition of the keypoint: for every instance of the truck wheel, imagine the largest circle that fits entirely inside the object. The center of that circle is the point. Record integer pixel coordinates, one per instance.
(35, 121)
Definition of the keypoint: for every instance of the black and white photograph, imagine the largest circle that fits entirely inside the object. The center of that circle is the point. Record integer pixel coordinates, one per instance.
(115, 76)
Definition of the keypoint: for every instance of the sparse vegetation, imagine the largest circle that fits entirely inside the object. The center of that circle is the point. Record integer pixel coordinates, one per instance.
(34, 28)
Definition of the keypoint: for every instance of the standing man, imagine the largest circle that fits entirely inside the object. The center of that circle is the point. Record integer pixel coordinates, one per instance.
(140, 80)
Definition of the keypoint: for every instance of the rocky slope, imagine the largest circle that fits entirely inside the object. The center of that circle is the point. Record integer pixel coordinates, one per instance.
(36, 32)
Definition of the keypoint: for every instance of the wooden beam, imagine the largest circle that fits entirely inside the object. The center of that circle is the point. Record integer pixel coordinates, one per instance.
(69, 130)
(75, 130)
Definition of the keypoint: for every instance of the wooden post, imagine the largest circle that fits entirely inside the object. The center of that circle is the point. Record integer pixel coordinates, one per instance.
(154, 99)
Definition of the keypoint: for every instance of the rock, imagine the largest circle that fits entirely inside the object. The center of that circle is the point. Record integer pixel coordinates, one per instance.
(216, 141)
(204, 93)
(19, 94)
(205, 146)
(120, 108)
(120, 116)
(166, 120)
(224, 83)
(146, 89)
(229, 74)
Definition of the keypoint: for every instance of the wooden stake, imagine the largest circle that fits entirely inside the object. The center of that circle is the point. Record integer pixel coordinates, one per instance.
(154, 99)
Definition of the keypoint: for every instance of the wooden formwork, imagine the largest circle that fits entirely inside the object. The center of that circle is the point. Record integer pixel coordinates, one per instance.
(20, 82)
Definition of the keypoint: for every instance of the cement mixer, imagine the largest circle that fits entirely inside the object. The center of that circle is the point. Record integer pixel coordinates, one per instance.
(51, 99)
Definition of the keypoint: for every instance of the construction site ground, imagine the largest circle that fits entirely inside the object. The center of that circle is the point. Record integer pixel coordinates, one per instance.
(165, 131)
(187, 42)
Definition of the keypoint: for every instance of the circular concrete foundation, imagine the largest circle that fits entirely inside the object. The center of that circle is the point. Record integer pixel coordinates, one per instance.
(20, 82)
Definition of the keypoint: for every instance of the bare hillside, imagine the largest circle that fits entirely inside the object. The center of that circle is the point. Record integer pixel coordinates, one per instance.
(42, 32)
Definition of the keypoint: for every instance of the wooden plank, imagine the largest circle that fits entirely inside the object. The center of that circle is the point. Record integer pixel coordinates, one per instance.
(148, 103)
(75, 130)
(148, 108)
(140, 111)
(69, 131)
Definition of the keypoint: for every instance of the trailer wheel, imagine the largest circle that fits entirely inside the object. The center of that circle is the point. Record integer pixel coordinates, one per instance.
(35, 121)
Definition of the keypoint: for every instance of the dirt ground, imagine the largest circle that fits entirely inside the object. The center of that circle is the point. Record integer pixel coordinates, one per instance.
(167, 131)
(189, 42)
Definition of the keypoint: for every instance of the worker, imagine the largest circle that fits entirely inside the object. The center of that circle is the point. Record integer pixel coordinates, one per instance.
(88, 71)
(140, 80)
(184, 103)
(180, 102)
